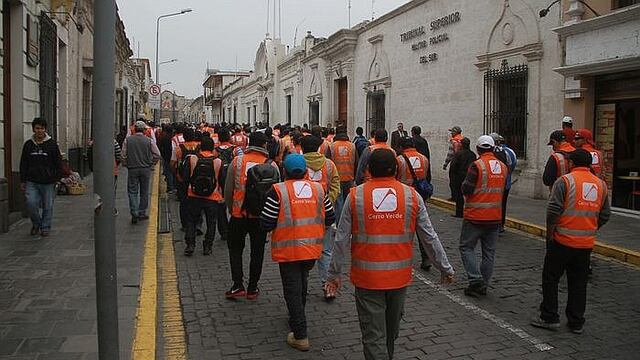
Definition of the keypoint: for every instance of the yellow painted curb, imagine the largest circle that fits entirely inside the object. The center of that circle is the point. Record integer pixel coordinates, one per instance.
(175, 345)
(144, 341)
(612, 251)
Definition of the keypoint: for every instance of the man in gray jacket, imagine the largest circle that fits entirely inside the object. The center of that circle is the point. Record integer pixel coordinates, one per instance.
(139, 154)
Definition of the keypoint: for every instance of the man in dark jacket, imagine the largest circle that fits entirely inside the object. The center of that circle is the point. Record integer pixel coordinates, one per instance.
(40, 169)
(458, 171)
(422, 146)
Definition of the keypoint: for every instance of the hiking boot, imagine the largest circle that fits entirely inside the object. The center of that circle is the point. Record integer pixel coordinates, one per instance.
(34, 230)
(236, 291)
(540, 323)
(206, 249)
(302, 344)
(252, 294)
(188, 251)
(475, 291)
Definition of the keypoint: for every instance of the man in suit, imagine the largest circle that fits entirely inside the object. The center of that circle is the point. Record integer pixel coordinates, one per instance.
(396, 136)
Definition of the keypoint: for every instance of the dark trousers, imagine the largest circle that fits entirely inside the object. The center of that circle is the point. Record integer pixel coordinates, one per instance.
(575, 262)
(458, 198)
(223, 221)
(295, 280)
(379, 312)
(195, 208)
(238, 230)
(505, 195)
(184, 210)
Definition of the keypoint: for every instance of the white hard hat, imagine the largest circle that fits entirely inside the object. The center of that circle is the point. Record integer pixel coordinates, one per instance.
(567, 120)
(486, 142)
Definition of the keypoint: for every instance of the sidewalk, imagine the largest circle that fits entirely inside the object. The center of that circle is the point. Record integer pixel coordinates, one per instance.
(47, 285)
(620, 232)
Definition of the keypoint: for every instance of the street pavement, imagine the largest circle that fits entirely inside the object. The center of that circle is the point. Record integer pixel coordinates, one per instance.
(47, 285)
(439, 322)
(622, 231)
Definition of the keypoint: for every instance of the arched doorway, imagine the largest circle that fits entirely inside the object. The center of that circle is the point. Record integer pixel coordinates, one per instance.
(265, 111)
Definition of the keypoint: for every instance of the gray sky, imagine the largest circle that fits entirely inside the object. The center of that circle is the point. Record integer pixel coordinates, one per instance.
(218, 31)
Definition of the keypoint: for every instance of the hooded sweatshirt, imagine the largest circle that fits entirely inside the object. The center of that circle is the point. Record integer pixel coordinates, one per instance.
(40, 163)
(315, 162)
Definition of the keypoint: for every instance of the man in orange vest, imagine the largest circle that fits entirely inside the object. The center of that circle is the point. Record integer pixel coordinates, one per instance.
(455, 145)
(297, 211)
(419, 163)
(377, 225)
(204, 192)
(239, 138)
(226, 152)
(578, 207)
(345, 157)
(324, 171)
(482, 188)
(243, 223)
(189, 146)
(584, 140)
(362, 173)
(558, 163)
(324, 148)
(567, 129)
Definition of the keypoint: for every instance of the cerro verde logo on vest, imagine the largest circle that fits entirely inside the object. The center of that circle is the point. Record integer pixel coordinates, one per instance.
(315, 175)
(589, 191)
(343, 151)
(415, 162)
(495, 167)
(384, 200)
(302, 190)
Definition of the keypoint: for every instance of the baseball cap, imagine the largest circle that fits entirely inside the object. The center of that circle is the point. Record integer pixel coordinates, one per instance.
(140, 125)
(556, 135)
(295, 164)
(456, 129)
(584, 134)
(486, 142)
(567, 120)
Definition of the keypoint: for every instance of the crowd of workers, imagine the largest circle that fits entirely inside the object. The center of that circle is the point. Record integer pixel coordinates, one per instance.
(322, 196)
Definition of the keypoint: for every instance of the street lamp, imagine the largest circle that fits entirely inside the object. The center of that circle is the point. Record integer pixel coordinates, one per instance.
(183, 11)
(168, 61)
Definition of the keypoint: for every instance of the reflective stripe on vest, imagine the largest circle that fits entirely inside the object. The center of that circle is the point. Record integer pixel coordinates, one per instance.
(344, 163)
(562, 164)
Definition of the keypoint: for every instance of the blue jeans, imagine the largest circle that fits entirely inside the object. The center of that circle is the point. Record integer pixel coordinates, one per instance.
(138, 190)
(40, 196)
(325, 258)
(344, 192)
(488, 236)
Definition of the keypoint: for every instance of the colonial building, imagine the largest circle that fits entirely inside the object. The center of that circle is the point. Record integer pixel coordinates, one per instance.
(601, 69)
(484, 65)
(215, 82)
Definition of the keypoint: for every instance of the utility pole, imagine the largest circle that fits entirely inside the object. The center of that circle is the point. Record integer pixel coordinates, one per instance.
(104, 50)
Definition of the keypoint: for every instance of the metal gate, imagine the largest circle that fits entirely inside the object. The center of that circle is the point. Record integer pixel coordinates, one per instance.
(505, 105)
(376, 111)
(48, 73)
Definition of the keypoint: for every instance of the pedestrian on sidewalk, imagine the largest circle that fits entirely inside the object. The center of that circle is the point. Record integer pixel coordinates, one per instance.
(413, 167)
(380, 142)
(483, 188)
(297, 211)
(558, 162)
(40, 169)
(322, 170)
(505, 154)
(454, 147)
(458, 169)
(578, 207)
(242, 222)
(584, 140)
(377, 226)
(139, 155)
(204, 193)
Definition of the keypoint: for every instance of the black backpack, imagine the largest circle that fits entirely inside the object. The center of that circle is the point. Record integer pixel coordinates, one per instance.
(226, 156)
(260, 179)
(184, 167)
(203, 180)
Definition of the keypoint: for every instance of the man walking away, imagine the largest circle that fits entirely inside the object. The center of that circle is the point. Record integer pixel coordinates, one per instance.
(422, 146)
(204, 194)
(504, 153)
(40, 169)
(297, 211)
(360, 141)
(139, 154)
(482, 188)
(189, 146)
(578, 207)
(345, 156)
(558, 162)
(454, 147)
(458, 171)
(584, 140)
(226, 152)
(380, 139)
(381, 251)
(567, 129)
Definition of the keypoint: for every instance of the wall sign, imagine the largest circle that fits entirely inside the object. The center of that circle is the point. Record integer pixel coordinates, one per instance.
(436, 38)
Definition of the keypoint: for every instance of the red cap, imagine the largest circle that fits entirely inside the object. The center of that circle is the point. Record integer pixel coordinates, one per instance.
(584, 134)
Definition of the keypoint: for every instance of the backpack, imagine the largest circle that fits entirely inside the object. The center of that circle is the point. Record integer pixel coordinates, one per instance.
(203, 180)
(226, 156)
(361, 144)
(422, 186)
(260, 179)
(184, 166)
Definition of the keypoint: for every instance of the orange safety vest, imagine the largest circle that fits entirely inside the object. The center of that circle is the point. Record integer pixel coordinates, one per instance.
(240, 140)
(596, 160)
(300, 228)
(583, 201)
(372, 148)
(485, 204)
(329, 138)
(242, 164)
(189, 145)
(216, 195)
(344, 156)
(322, 176)
(384, 213)
(561, 156)
(324, 147)
(456, 140)
(419, 163)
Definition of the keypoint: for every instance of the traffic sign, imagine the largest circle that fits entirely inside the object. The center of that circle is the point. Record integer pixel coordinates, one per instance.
(154, 96)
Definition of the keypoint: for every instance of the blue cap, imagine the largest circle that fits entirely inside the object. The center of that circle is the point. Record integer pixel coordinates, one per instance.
(295, 164)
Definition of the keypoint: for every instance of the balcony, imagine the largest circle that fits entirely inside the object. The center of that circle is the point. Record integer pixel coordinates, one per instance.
(213, 97)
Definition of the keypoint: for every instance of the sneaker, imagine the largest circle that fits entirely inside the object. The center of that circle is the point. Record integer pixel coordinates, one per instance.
(475, 291)
(302, 344)
(44, 233)
(206, 249)
(134, 220)
(576, 330)
(253, 294)
(426, 266)
(539, 323)
(235, 292)
(188, 251)
(34, 230)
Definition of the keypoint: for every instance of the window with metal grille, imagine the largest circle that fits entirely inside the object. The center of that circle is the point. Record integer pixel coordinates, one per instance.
(505, 105)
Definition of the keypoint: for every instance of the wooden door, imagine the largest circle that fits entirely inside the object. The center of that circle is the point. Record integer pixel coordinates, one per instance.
(342, 103)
